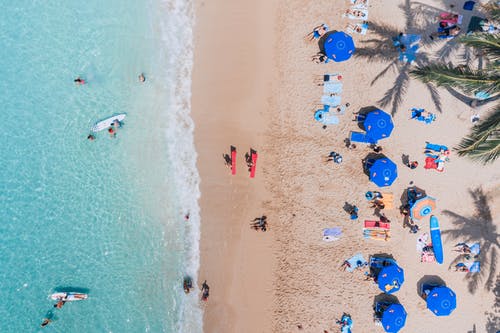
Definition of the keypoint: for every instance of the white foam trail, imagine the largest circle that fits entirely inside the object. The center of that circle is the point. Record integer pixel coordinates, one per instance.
(176, 20)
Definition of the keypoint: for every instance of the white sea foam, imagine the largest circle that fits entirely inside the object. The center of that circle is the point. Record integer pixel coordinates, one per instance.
(176, 20)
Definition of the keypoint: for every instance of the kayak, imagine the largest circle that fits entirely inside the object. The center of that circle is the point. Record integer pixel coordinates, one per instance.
(69, 296)
(106, 123)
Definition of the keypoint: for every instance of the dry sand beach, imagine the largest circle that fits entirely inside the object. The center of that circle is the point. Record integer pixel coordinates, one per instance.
(253, 88)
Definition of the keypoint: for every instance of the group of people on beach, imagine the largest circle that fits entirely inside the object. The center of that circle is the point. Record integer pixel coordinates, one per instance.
(259, 223)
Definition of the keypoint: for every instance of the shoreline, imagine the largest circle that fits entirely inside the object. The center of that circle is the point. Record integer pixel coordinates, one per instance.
(232, 85)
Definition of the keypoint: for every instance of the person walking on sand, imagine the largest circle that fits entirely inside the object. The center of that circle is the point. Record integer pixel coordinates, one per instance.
(205, 290)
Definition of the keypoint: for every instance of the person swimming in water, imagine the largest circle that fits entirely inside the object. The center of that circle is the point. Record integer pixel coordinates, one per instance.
(142, 78)
(79, 81)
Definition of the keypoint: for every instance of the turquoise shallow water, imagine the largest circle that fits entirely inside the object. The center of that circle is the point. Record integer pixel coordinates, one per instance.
(105, 216)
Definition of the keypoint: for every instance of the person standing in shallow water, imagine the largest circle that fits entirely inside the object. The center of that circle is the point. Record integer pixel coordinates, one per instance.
(142, 78)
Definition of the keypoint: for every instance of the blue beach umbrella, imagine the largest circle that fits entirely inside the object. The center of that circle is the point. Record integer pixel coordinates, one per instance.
(383, 172)
(390, 278)
(394, 318)
(338, 46)
(441, 301)
(378, 125)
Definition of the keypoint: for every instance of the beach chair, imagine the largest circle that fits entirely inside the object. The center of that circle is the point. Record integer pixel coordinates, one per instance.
(361, 137)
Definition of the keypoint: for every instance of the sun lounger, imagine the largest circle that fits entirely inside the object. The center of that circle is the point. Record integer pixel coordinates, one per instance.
(356, 261)
(361, 137)
(331, 100)
(332, 88)
(475, 24)
(377, 224)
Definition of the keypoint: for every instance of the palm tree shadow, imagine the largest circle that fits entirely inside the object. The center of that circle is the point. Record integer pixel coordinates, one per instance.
(420, 20)
(478, 227)
(493, 321)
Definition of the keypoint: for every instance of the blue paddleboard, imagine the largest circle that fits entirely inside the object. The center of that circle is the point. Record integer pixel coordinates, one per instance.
(437, 245)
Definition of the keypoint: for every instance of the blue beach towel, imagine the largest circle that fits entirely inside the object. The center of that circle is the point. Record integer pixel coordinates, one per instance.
(361, 137)
(417, 114)
(435, 147)
(411, 43)
(355, 262)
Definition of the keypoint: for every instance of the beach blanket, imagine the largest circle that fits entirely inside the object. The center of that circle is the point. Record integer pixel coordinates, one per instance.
(359, 3)
(356, 261)
(411, 42)
(351, 13)
(337, 110)
(417, 114)
(388, 200)
(331, 100)
(332, 88)
(358, 28)
(377, 224)
(430, 163)
(332, 234)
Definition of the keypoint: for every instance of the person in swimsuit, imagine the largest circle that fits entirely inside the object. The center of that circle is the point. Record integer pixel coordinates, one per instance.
(79, 81)
(142, 78)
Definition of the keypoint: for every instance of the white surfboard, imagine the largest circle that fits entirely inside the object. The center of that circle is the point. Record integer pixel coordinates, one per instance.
(106, 123)
(69, 296)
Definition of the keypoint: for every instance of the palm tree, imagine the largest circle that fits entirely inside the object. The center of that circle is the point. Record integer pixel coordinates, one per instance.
(483, 144)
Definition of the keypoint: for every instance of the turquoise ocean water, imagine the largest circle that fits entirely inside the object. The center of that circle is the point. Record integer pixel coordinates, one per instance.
(105, 216)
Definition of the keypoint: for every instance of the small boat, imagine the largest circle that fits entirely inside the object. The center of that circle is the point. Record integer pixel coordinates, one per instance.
(106, 123)
(437, 244)
(69, 296)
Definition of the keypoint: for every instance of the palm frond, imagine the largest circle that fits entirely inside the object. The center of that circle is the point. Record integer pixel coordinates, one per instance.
(489, 44)
(483, 144)
(462, 78)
